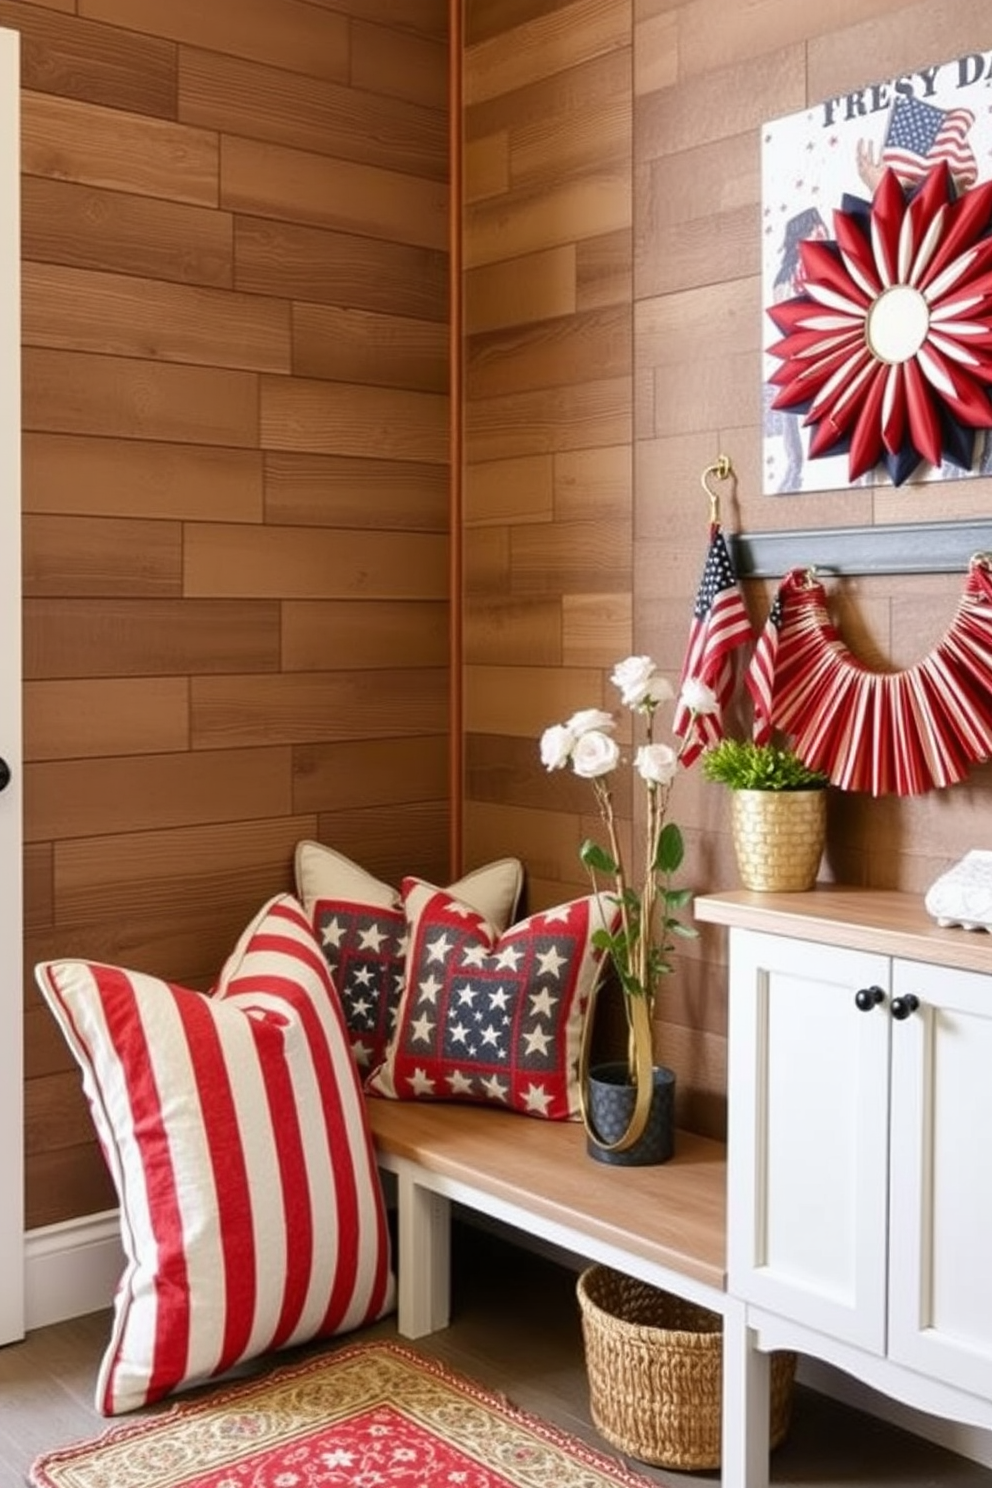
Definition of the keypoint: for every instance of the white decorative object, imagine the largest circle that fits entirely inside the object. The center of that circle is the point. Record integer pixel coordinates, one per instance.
(963, 895)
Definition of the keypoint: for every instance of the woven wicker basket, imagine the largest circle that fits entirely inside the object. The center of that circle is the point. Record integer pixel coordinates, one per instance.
(654, 1364)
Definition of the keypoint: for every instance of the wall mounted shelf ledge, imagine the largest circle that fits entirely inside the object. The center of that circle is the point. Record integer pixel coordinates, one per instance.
(917, 547)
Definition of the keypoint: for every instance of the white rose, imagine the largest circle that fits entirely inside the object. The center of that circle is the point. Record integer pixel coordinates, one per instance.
(697, 697)
(656, 763)
(595, 754)
(590, 718)
(659, 689)
(634, 678)
(556, 747)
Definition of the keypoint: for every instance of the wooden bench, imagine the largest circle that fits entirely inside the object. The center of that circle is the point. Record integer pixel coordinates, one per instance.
(665, 1225)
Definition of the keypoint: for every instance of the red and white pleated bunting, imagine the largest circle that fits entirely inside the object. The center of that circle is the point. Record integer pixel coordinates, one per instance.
(889, 733)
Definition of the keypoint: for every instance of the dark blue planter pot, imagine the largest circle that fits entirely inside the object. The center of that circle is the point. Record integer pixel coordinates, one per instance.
(610, 1105)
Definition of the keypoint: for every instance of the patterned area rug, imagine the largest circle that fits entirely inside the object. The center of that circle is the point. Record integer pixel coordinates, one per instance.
(372, 1414)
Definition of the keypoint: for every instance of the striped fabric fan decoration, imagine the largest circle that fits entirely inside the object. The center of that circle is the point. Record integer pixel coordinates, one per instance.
(235, 1130)
(888, 733)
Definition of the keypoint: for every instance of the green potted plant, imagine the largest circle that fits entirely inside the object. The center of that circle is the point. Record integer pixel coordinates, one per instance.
(778, 812)
(628, 1105)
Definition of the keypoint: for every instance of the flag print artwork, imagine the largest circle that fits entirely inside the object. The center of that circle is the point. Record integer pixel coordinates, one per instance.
(492, 1018)
(852, 176)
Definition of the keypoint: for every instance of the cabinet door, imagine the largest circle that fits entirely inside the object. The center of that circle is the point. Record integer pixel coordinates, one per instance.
(808, 1134)
(940, 1311)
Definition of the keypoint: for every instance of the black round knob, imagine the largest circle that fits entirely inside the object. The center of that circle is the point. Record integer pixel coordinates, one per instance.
(4, 774)
(868, 997)
(903, 1006)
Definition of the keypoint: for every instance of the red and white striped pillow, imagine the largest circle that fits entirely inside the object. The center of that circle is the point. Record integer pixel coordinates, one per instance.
(234, 1126)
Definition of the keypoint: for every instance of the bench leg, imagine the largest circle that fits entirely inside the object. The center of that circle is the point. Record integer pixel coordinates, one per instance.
(424, 1263)
(746, 1404)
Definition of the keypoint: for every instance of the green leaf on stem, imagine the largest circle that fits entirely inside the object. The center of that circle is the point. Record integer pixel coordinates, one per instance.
(671, 849)
(596, 857)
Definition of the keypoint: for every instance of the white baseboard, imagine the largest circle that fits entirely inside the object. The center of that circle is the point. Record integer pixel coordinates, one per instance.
(71, 1268)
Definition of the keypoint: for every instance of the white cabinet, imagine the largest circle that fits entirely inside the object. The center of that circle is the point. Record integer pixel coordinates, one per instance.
(860, 1140)
(808, 1135)
(940, 1176)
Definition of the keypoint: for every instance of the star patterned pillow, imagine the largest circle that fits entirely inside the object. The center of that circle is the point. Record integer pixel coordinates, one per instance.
(361, 928)
(488, 1017)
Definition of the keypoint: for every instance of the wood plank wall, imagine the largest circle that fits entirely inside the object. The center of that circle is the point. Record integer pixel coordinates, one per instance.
(612, 242)
(235, 394)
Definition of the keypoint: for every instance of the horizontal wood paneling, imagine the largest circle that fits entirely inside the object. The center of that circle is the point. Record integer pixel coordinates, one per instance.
(340, 268)
(306, 707)
(404, 67)
(553, 420)
(288, 33)
(299, 186)
(551, 42)
(103, 716)
(92, 146)
(515, 632)
(340, 490)
(585, 556)
(89, 798)
(576, 348)
(236, 97)
(343, 418)
(221, 561)
(71, 392)
(524, 700)
(372, 772)
(234, 237)
(189, 949)
(596, 628)
(364, 634)
(604, 270)
(100, 556)
(38, 908)
(71, 1180)
(585, 527)
(91, 228)
(120, 315)
(547, 216)
(393, 841)
(362, 346)
(172, 875)
(148, 637)
(76, 474)
(423, 17)
(519, 490)
(81, 59)
(519, 291)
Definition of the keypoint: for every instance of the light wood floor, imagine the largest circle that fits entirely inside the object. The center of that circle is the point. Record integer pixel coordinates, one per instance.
(515, 1329)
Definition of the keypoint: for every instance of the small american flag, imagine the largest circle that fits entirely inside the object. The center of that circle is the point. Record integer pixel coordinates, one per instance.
(760, 677)
(720, 624)
(920, 135)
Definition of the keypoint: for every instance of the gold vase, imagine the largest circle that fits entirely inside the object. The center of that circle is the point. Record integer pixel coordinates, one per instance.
(779, 837)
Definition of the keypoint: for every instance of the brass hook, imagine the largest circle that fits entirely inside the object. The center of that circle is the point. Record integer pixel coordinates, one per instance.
(722, 469)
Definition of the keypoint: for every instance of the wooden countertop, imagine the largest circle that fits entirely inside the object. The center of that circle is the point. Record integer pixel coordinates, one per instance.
(881, 920)
(672, 1214)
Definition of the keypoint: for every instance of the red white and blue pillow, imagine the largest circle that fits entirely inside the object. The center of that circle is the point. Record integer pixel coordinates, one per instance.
(236, 1133)
(360, 925)
(489, 1017)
